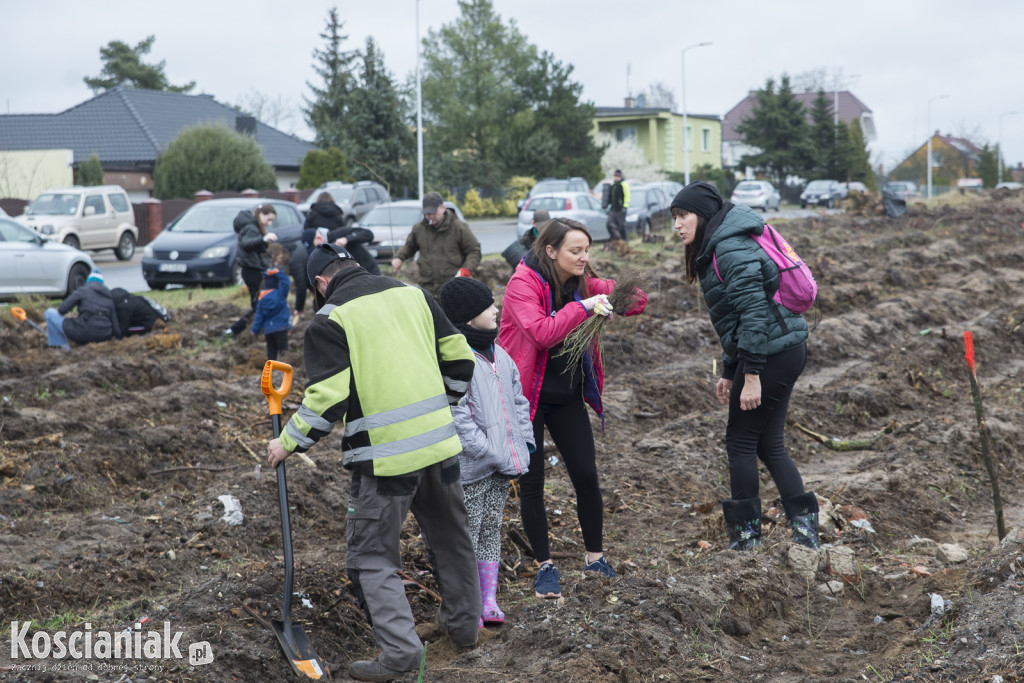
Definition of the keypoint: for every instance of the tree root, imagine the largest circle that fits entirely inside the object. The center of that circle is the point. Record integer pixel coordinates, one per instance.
(846, 444)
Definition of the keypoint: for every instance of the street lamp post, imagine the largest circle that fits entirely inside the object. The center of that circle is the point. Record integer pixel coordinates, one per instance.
(419, 108)
(686, 134)
(928, 160)
(999, 149)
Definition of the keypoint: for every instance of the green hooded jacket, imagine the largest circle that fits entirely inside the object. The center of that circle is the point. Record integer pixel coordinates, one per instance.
(443, 250)
(750, 324)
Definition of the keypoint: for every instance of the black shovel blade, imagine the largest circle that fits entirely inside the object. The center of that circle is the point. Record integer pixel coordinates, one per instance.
(300, 653)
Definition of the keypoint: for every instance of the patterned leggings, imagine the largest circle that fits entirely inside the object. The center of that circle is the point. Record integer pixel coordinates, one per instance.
(485, 505)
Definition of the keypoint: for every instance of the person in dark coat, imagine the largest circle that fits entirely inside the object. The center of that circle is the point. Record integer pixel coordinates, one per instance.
(252, 258)
(297, 269)
(324, 213)
(134, 314)
(96, 320)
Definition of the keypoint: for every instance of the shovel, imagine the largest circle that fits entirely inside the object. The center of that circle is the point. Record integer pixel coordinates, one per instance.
(293, 639)
(19, 313)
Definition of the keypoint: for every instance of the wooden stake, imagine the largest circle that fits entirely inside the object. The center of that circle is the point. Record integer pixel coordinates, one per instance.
(986, 451)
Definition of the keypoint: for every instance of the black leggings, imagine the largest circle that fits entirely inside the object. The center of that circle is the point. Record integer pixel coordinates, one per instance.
(569, 426)
(253, 279)
(759, 433)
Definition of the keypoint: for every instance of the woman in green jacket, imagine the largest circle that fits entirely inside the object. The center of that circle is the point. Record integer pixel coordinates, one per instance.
(764, 351)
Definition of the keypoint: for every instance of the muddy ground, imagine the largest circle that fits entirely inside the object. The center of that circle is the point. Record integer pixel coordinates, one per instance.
(113, 456)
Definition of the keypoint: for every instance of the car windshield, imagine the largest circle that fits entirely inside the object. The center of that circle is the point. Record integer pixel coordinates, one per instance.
(898, 186)
(340, 195)
(545, 186)
(748, 187)
(207, 218)
(819, 185)
(55, 204)
(549, 203)
(392, 215)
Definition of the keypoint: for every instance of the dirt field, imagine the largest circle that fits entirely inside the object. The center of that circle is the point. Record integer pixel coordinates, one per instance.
(113, 456)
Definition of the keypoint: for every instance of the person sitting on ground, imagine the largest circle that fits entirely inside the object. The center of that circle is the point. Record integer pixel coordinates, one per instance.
(493, 423)
(96, 320)
(446, 245)
(272, 316)
(135, 315)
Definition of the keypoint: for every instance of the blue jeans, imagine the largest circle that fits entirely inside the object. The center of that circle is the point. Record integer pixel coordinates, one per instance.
(55, 328)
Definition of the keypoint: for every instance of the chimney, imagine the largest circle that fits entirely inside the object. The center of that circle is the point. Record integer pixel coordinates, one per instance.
(246, 125)
(629, 103)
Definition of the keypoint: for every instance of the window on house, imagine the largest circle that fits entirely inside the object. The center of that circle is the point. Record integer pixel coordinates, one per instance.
(705, 140)
(625, 133)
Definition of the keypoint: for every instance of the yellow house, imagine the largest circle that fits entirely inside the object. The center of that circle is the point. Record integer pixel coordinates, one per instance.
(659, 133)
(25, 174)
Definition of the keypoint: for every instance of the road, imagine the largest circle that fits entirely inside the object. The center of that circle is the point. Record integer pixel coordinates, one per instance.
(494, 234)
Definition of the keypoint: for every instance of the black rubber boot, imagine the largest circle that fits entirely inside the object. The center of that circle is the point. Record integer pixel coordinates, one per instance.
(743, 520)
(802, 513)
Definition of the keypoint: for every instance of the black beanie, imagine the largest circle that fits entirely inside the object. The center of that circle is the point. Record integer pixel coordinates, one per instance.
(464, 298)
(700, 198)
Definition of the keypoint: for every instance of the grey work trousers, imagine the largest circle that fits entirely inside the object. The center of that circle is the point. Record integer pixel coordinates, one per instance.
(616, 224)
(377, 508)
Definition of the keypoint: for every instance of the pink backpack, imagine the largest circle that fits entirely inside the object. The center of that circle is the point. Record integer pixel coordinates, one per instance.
(797, 287)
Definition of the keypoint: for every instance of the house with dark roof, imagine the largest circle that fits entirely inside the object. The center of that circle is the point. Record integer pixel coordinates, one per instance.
(952, 159)
(658, 132)
(127, 129)
(734, 146)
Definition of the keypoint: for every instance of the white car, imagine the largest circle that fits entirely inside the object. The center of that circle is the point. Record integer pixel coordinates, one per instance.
(1010, 185)
(33, 264)
(757, 194)
(579, 206)
(88, 218)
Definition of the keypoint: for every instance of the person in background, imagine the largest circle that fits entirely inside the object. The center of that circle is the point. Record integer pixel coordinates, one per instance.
(552, 291)
(446, 245)
(493, 422)
(272, 317)
(297, 257)
(253, 238)
(135, 315)
(618, 202)
(96, 320)
(514, 252)
(324, 213)
(399, 442)
(763, 353)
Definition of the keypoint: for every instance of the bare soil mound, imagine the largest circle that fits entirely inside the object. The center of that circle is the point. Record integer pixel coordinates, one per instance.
(113, 458)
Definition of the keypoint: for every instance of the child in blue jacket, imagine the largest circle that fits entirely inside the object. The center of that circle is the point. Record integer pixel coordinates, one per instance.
(273, 316)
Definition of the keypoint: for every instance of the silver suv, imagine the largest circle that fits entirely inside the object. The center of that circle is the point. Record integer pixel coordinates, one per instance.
(86, 218)
(354, 199)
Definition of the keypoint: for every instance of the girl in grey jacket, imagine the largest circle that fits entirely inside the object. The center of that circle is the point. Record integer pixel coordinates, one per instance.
(493, 422)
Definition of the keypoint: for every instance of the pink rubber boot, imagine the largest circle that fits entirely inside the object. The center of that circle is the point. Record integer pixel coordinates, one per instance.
(488, 587)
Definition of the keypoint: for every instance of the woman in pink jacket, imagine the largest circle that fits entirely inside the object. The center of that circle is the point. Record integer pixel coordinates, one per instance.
(551, 292)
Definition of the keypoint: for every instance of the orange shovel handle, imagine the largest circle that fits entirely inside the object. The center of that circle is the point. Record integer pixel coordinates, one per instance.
(18, 313)
(276, 394)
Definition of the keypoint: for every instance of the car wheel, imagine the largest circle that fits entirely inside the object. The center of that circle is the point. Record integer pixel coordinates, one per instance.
(76, 277)
(156, 285)
(72, 242)
(125, 247)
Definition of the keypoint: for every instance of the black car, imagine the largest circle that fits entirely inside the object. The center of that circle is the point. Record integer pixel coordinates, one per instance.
(825, 193)
(648, 210)
(199, 246)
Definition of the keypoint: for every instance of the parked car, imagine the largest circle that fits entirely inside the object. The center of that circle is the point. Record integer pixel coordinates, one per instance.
(199, 246)
(549, 185)
(757, 194)
(391, 224)
(579, 206)
(1009, 185)
(669, 188)
(825, 193)
(648, 210)
(901, 189)
(31, 263)
(87, 218)
(354, 199)
(853, 186)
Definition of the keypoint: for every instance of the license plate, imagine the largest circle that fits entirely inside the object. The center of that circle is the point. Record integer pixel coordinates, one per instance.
(172, 268)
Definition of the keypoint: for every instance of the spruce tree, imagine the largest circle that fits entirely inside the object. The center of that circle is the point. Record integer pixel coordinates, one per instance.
(326, 113)
(777, 126)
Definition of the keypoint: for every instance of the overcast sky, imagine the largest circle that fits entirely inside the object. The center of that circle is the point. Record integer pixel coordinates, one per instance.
(895, 55)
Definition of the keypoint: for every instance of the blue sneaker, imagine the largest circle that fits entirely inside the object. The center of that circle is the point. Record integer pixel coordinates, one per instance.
(599, 565)
(546, 584)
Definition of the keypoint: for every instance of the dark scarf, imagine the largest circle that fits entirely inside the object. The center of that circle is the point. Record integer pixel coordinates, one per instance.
(479, 340)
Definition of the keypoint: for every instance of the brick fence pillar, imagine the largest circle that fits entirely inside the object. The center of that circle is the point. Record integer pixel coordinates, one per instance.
(154, 218)
(202, 196)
